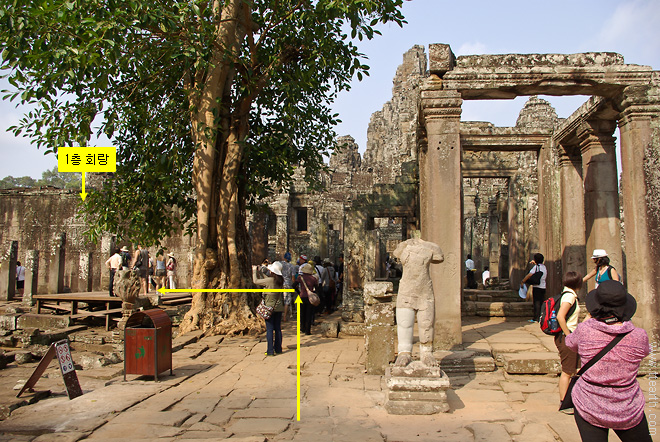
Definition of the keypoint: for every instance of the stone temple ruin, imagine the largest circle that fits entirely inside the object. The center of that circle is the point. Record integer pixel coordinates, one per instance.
(500, 193)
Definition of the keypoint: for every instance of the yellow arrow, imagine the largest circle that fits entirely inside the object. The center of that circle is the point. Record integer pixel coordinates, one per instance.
(83, 194)
(164, 290)
(299, 304)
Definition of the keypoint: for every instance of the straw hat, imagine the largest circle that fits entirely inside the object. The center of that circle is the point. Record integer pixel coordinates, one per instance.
(307, 269)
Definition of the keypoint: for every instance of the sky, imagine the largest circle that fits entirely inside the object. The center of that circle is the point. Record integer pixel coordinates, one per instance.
(470, 27)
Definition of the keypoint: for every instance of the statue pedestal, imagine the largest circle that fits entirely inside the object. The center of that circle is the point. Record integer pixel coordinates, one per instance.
(416, 390)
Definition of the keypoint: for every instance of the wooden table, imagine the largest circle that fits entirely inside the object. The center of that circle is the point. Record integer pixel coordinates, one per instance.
(71, 301)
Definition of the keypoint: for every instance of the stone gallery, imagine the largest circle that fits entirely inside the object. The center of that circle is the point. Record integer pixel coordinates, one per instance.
(500, 193)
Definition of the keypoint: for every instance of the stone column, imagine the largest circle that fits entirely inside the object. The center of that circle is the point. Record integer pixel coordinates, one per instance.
(56, 265)
(8, 272)
(259, 237)
(639, 125)
(108, 245)
(85, 272)
(31, 277)
(601, 190)
(572, 214)
(493, 239)
(517, 224)
(441, 206)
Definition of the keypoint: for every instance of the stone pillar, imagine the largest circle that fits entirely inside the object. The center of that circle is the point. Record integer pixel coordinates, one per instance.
(56, 265)
(31, 277)
(8, 272)
(85, 272)
(517, 224)
(639, 125)
(601, 190)
(493, 239)
(355, 254)
(503, 211)
(380, 328)
(441, 207)
(108, 246)
(572, 214)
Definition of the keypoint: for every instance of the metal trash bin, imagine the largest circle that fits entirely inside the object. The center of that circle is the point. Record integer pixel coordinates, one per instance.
(148, 343)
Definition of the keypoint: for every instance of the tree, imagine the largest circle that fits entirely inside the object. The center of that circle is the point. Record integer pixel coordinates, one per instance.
(211, 105)
(52, 178)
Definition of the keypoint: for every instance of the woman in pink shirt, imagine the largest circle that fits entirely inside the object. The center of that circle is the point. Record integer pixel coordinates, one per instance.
(608, 394)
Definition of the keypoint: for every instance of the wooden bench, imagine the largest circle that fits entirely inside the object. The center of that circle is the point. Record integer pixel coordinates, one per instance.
(73, 300)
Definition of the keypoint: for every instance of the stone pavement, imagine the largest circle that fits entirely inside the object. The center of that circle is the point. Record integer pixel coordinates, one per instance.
(228, 389)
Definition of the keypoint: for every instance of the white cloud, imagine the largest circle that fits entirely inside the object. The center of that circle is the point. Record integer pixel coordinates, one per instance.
(633, 31)
(471, 48)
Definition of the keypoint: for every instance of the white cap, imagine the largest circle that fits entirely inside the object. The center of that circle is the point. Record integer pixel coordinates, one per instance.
(599, 253)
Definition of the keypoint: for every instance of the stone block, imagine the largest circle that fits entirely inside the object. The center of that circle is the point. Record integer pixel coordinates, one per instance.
(352, 328)
(416, 407)
(379, 342)
(42, 322)
(377, 292)
(379, 314)
(330, 329)
(465, 361)
(8, 271)
(441, 59)
(531, 363)
(8, 322)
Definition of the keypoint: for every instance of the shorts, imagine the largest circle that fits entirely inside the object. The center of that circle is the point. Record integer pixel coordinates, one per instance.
(161, 272)
(287, 298)
(142, 273)
(20, 284)
(569, 359)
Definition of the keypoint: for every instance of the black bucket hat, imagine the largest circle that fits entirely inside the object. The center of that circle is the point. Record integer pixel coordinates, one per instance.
(611, 299)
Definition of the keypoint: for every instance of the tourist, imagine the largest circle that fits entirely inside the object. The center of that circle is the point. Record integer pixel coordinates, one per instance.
(287, 275)
(485, 275)
(114, 263)
(276, 301)
(603, 271)
(306, 279)
(140, 264)
(470, 270)
(125, 258)
(20, 278)
(538, 290)
(608, 395)
(161, 271)
(151, 272)
(329, 287)
(171, 267)
(568, 323)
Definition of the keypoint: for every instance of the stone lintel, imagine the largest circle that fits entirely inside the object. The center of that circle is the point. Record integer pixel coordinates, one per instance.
(510, 142)
(521, 61)
(507, 81)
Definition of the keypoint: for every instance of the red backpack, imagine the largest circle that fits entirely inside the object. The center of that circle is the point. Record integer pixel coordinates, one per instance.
(548, 320)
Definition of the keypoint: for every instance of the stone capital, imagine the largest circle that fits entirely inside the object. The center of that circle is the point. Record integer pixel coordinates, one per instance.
(438, 104)
(639, 103)
(595, 132)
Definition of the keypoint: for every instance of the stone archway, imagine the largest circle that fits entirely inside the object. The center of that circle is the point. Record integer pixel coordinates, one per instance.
(635, 99)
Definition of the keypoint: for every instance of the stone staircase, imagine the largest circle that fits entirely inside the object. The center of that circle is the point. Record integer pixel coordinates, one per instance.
(495, 303)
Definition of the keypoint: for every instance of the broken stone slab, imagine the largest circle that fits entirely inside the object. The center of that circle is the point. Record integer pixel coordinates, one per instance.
(377, 292)
(42, 322)
(330, 329)
(465, 361)
(531, 363)
(8, 321)
(352, 328)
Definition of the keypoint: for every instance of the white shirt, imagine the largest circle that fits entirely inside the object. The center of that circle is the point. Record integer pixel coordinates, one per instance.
(541, 267)
(20, 273)
(114, 262)
(469, 264)
(485, 275)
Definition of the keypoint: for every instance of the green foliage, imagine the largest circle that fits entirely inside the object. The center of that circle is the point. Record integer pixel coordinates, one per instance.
(53, 178)
(130, 69)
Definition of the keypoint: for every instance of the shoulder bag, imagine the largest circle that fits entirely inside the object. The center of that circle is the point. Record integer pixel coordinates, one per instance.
(312, 296)
(568, 400)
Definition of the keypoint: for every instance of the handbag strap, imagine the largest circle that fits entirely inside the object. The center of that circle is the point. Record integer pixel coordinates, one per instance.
(305, 284)
(602, 353)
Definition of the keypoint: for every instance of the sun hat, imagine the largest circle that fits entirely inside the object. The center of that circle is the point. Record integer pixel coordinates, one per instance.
(599, 253)
(611, 298)
(276, 268)
(124, 249)
(171, 255)
(308, 269)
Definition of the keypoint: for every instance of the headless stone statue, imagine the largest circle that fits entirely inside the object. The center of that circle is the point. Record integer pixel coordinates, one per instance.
(416, 297)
